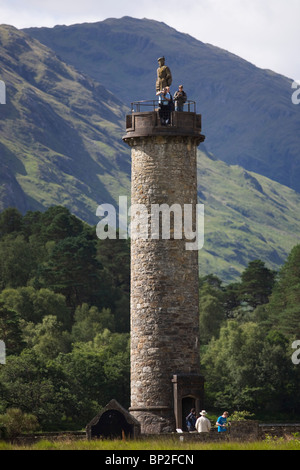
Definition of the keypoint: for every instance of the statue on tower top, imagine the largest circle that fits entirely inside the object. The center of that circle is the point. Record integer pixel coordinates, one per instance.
(164, 76)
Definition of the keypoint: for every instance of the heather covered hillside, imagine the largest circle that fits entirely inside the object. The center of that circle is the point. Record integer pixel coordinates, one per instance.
(59, 132)
(248, 115)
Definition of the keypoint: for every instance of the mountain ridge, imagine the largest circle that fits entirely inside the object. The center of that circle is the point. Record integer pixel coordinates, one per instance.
(248, 115)
(61, 144)
(56, 124)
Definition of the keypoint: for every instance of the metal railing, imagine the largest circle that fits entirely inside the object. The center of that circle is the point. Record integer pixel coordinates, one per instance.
(153, 105)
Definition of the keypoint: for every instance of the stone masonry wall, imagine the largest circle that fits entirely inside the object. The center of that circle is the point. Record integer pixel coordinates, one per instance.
(164, 282)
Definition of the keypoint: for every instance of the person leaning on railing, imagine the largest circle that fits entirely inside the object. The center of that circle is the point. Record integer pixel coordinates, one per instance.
(180, 98)
(164, 105)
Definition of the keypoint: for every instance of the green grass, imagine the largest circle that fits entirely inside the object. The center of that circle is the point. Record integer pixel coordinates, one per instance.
(157, 444)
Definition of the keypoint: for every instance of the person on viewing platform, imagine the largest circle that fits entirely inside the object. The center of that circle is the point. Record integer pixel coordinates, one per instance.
(180, 98)
(164, 105)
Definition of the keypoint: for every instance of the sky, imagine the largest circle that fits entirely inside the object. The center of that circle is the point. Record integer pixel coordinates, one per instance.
(264, 32)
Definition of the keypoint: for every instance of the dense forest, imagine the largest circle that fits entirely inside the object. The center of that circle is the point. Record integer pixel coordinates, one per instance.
(64, 318)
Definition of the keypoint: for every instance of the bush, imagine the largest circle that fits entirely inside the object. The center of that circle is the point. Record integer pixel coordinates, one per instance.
(15, 422)
(241, 415)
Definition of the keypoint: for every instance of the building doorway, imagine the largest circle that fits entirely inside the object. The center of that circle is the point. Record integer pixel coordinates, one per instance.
(188, 392)
(112, 425)
(187, 404)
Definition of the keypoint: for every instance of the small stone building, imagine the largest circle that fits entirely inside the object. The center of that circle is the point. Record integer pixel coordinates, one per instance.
(113, 422)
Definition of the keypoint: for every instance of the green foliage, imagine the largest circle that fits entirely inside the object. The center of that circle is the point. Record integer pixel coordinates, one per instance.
(114, 256)
(283, 310)
(63, 318)
(10, 329)
(241, 415)
(32, 382)
(72, 270)
(257, 282)
(58, 223)
(88, 322)
(247, 363)
(211, 308)
(47, 338)
(17, 262)
(66, 329)
(15, 422)
(245, 369)
(10, 221)
(34, 304)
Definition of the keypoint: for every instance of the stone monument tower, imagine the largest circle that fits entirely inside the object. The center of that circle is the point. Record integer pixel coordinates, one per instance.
(165, 374)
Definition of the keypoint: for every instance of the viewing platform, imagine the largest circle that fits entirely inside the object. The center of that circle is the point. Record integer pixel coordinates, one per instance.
(146, 120)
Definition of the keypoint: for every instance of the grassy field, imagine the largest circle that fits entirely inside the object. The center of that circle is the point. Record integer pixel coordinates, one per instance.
(157, 445)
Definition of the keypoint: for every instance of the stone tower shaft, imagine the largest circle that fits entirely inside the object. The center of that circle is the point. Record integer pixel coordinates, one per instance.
(164, 274)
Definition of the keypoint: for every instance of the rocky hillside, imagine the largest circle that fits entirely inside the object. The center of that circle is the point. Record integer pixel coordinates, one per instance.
(248, 115)
(247, 217)
(59, 133)
(61, 143)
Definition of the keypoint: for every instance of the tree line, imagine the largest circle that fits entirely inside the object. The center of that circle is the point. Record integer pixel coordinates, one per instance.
(64, 318)
(247, 332)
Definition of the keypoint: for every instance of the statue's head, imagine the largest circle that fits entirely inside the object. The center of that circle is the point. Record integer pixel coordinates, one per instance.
(161, 61)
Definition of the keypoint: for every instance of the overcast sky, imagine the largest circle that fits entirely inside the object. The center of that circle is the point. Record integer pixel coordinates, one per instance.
(264, 32)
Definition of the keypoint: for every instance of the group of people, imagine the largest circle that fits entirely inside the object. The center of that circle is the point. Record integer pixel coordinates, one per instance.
(167, 103)
(203, 424)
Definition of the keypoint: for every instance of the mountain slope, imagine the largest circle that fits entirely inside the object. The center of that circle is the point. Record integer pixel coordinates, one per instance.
(59, 133)
(248, 116)
(61, 143)
(247, 217)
